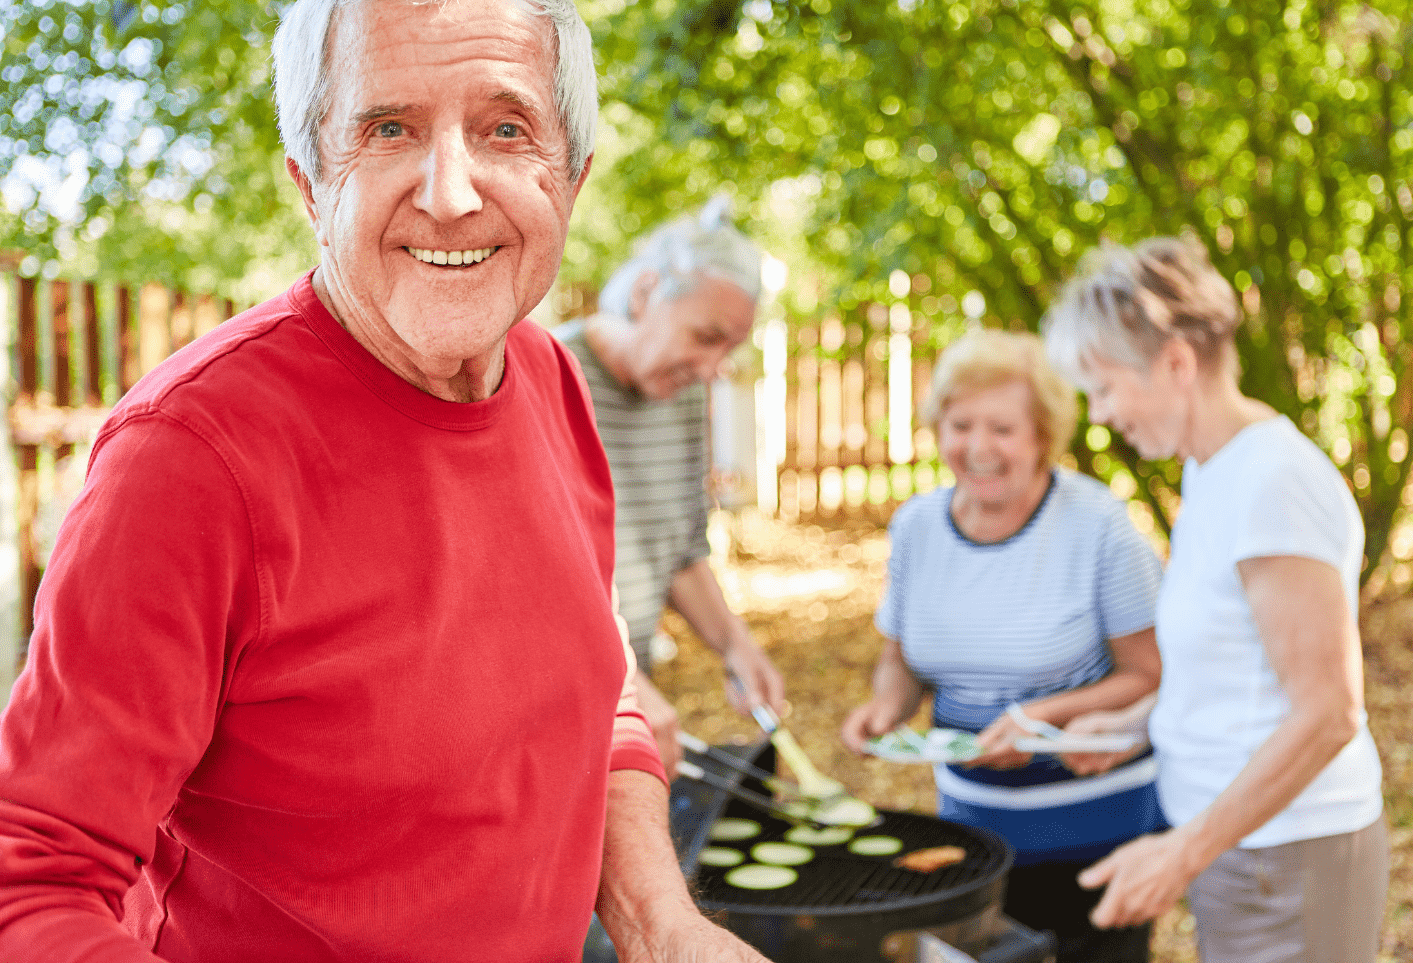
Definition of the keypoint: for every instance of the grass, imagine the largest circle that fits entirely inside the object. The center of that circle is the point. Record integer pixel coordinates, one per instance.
(809, 594)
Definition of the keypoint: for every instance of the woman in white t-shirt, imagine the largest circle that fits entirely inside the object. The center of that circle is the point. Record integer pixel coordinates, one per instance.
(1266, 769)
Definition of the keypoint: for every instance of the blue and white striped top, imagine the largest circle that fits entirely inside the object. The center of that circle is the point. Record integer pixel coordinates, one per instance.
(985, 625)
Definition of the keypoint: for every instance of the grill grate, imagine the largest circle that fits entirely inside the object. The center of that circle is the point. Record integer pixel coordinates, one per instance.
(838, 882)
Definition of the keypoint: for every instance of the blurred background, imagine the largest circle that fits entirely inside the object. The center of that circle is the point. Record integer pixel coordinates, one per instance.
(913, 168)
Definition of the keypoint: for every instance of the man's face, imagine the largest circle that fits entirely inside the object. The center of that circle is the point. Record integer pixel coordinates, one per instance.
(445, 195)
(680, 341)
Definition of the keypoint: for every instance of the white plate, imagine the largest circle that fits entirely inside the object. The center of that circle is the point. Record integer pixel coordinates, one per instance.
(1099, 742)
(938, 745)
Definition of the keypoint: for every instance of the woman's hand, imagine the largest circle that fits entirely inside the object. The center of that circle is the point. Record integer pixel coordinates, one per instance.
(998, 744)
(1101, 723)
(896, 695)
(869, 721)
(1145, 878)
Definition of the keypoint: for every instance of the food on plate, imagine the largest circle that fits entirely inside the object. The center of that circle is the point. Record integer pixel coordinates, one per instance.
(731, 829)
(931, 859)
(781, 854)
(824, 836)
(720, 856)
(876, 845)
(759, 876)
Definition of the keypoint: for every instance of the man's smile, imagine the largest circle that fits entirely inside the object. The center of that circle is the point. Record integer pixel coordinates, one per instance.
(451, 258)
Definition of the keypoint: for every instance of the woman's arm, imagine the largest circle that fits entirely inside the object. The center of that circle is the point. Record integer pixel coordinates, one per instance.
(1137, 667)
(896, 695)
(1312, 641)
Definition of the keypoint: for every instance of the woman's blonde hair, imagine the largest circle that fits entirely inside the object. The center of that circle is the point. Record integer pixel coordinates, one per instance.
(982, 359)
(1126, 303)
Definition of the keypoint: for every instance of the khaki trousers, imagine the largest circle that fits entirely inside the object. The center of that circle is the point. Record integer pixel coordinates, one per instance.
(1313, 901)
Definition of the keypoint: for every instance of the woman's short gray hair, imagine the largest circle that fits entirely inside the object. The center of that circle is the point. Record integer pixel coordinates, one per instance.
(681, 251)
(1126, 303)
(302, 85)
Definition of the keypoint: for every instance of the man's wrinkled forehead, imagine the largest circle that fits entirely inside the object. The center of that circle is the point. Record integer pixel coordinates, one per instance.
(349, 30)
(452, 11)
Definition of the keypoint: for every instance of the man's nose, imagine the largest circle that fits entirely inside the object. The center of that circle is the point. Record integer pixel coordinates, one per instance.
(448, 191)
(708, 368)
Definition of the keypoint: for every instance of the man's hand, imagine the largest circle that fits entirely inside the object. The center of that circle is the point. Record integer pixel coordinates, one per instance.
(694, 940)
(1145, 879)
(663, 720)
(643, 900)
(751, 678)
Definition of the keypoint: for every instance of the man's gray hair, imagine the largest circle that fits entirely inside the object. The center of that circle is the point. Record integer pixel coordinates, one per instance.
(302, 86)
(681, 251)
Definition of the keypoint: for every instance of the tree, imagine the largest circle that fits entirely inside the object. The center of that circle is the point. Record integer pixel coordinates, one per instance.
(986, 145)
(153, 125)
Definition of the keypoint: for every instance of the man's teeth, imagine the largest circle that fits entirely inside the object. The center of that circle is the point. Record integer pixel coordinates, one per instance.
(451, 257)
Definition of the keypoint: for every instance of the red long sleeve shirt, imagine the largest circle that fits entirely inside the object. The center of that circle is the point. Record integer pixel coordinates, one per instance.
(324, 668)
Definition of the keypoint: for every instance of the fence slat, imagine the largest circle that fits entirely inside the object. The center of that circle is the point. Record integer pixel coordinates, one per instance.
(27, 337)
(129, 362)
(92, 347)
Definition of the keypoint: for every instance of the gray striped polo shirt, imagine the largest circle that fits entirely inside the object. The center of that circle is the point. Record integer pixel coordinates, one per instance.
(658, 458)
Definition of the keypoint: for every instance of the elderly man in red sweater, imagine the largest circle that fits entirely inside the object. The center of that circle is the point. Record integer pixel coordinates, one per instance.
(325, 665)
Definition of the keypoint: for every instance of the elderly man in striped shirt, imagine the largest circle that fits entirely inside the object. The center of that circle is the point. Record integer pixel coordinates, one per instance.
(667, 320)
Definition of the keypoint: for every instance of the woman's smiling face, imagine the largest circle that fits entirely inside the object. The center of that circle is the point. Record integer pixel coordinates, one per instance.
(1140, 406)
(991, 442)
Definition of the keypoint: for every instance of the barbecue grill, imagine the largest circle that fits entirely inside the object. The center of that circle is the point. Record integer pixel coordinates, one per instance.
(847, 908)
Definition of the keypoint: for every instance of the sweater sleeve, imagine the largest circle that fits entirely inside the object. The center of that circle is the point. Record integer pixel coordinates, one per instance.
(633, 743)
(123, 684)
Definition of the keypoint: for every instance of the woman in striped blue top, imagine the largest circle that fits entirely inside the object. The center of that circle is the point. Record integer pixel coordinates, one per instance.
(1019, 597)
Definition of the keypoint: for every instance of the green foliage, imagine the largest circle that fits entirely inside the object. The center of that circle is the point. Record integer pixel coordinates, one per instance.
(157, 119)
(983, 146)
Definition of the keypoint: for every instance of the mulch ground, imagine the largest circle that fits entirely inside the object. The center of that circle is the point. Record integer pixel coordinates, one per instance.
(809, 593)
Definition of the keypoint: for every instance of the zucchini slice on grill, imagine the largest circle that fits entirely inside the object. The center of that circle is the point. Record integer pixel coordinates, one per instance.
(758, 876)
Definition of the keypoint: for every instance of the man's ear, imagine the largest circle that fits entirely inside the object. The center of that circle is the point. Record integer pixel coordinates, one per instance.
(579, 184)
(306, 191)
(642, 289)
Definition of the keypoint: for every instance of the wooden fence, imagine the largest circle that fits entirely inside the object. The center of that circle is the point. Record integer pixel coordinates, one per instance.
(77, 348)
(847, 440)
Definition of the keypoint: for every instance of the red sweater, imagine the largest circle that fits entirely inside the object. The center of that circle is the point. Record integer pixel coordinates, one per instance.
(324, 668)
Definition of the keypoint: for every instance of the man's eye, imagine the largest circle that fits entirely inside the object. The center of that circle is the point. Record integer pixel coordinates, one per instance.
(390, 128)
(508, 130)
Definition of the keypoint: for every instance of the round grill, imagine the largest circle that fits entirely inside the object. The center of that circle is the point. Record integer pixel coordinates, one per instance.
(837, 882)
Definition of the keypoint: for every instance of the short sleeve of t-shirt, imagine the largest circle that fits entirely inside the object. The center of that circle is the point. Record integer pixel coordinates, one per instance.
(889, 617)
(1293, 506)
(1128, 576)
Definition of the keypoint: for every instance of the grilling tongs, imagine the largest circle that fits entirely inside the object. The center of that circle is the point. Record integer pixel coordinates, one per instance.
(695, 772)
(774, 781)
(793, 813)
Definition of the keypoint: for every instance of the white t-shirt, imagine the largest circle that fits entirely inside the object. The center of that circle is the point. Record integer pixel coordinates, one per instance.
(1269, 491)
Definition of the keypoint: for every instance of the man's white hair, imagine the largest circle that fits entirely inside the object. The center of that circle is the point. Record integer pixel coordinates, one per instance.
(681, 251)
(302, 85)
